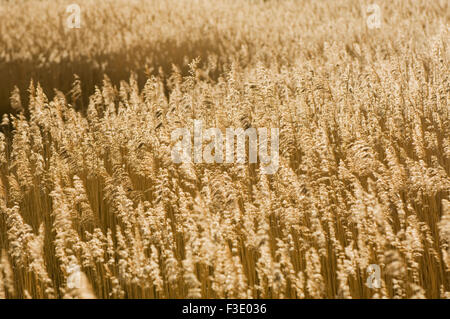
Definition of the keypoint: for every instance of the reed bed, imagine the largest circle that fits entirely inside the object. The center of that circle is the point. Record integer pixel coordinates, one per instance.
(89, 189)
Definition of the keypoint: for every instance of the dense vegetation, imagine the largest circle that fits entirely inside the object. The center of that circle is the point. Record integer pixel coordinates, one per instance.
(86, 176)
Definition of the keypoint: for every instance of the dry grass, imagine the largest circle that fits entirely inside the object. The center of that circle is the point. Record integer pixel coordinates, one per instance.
(364, 151)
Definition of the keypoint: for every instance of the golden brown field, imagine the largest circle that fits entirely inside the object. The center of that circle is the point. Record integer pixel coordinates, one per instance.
(89, 191)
